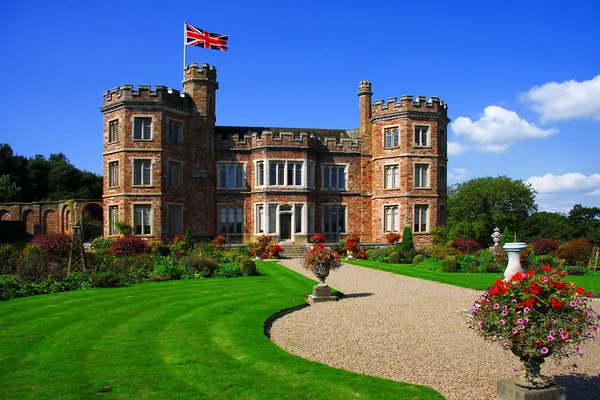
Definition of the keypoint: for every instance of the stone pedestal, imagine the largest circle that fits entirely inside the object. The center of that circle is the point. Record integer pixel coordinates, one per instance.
(321, 293)
(508, 390)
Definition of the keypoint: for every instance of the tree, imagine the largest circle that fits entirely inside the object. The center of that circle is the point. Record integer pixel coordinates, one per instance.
(8, 189)
(547, 225)
(585, 223)
(477, 206)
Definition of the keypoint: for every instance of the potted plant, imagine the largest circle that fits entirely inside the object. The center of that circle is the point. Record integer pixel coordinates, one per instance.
(263, 248)
(351, 245)
(535, 316)
(320, 261)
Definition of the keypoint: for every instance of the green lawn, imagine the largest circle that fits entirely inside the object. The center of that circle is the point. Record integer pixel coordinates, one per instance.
(471, 281)
(197, 339)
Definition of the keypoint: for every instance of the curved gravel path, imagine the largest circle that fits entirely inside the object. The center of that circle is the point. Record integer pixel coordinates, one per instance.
(411, 330)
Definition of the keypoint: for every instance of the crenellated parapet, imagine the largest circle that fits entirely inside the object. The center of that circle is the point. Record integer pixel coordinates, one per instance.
(205, 72)
(408, 103)
(146, 94)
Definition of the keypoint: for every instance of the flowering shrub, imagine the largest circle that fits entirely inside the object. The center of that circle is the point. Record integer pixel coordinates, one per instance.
(536, 314)
(321, 258)
(219, 242)
(57, 246)
(352, 241)
(392, 237)
(318, 238)
(264, 248)
(544, 246)
(466, 245)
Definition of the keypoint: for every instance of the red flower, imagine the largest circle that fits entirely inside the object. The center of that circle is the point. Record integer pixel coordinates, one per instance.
(546, 268)
(554, 302)
(535, 289)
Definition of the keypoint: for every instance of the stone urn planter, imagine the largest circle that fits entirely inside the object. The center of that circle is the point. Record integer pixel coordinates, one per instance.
(320, 262)
(531, 376)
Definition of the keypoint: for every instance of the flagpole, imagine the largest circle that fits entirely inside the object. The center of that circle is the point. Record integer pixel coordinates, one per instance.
(184, 50)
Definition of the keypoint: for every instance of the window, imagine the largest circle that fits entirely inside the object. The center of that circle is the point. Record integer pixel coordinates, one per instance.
(231, 219)
(390, 219)
(260, 173)
(174, 173)
(298, 218)
(392, 138)
(334, 177)
(442, 215)
(285, 173)
(142, 219)
(421, 175)
(334, 219)
(141, 172)
(113, 131)
(174, 220)
(175, 132)
(272, 218)
(421, 211)
(142, 128)
(113, 174)
(260, 218)
(442, 179)
(113, 218)
(311, 175)
(392, 177)
(421, 136)
(231, 176)
(442, 144)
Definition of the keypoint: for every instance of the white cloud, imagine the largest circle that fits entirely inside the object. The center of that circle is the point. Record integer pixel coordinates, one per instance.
(455, 148)
(566, 183)
(458, 175)
(563, 101)
(498, 129)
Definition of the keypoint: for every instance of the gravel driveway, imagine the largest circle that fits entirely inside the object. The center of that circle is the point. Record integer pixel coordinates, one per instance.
(411, 330)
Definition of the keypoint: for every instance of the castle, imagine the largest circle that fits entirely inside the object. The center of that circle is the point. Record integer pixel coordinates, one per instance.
(167, 166)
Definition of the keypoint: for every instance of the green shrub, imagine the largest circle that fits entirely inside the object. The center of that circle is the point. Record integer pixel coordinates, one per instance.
(394, 257)
(77, 281)
(576, 270)
(339, 248)
(239, 258)
(248, 267)
(492, 267)
(450, 264)
(547, 259)
(198, 264)
(159, 249)
(418, 259)
(474, 268)
(228, 270)
(407, 240)
(438, 251)
(9, 259)
(107, 279)
(430, 264)
(101, 243)
(370, 254)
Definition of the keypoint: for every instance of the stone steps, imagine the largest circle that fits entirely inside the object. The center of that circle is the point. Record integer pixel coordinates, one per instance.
(294, 250)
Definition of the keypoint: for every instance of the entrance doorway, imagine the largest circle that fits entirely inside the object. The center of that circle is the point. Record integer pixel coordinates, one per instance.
(285, 226)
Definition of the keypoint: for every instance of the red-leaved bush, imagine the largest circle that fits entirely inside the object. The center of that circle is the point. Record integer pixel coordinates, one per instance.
(544, 246)
(466, 245)
(55, 245)
(575, 251)
(128, 245)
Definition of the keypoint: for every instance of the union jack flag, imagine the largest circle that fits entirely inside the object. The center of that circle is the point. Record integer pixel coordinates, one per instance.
(199, 37)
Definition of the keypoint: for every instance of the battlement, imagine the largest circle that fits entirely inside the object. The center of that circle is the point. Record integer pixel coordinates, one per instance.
(409, 103)
(205, 72)
(145, 93)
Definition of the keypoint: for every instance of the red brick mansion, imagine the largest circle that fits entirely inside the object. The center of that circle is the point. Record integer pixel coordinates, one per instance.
(167, 166)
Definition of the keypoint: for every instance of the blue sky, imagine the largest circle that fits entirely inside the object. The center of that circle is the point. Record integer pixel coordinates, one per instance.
(521, 78)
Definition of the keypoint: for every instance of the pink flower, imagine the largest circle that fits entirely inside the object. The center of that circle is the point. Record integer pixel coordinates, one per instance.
(544, 350)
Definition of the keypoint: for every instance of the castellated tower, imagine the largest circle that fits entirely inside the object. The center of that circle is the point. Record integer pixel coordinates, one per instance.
(159, 162)
(409, 158)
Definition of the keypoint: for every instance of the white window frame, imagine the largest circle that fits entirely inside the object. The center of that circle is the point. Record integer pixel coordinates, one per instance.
(391, 176)
(393, 132)
(260, 219)
(143, 132)
(259, 167)
(113, 218)
(178, 229)
(145, 230)
(420, 176)
(174, 173)
(113, 131)
(234, 215)
(284, 170)
(391, 218)
(227, 181)
(327, 175)
(420, 226)
(141, 163)
(178, 135)
(113, 173)
(422, 131)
